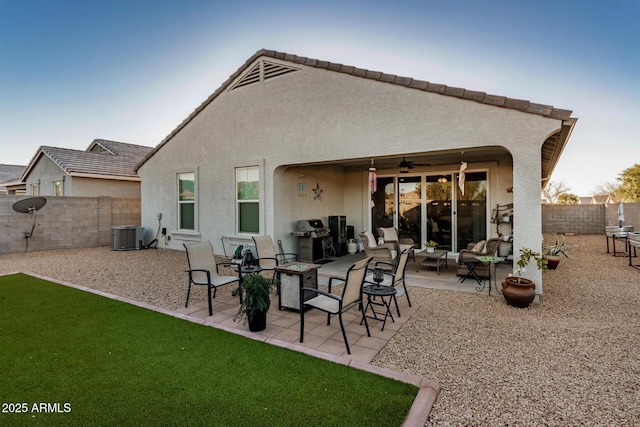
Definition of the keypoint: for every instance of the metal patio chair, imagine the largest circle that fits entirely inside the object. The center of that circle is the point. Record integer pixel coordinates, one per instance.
(203, 270)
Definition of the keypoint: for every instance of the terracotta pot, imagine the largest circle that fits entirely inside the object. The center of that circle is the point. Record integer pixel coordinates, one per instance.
(552, 261)
(518, 292)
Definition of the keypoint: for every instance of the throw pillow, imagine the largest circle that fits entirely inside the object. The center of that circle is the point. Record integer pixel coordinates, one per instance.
(479, 247)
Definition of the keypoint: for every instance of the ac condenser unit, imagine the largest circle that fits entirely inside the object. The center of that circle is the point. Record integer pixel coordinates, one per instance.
(127, 238)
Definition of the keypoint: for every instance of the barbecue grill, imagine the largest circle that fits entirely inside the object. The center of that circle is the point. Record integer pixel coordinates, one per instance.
(310, 233)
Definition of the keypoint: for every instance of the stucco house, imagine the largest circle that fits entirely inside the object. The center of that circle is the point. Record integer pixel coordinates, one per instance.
(105, 168)
(287, 138)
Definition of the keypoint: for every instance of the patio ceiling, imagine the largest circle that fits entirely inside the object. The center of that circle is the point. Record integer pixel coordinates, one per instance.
(421, 160)
(550, 154)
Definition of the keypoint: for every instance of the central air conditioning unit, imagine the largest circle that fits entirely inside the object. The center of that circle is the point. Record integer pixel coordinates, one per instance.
(127, 238)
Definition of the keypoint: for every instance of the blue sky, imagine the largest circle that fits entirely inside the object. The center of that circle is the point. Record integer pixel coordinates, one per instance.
(131, 71)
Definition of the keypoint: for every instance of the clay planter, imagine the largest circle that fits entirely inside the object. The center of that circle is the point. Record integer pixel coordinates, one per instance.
(518, 292)
(552, 261)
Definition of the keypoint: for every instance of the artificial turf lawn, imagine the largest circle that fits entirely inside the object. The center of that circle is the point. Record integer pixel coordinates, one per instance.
(95, 361)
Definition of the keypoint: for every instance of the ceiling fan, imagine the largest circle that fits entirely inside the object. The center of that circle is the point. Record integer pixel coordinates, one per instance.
(406, 165)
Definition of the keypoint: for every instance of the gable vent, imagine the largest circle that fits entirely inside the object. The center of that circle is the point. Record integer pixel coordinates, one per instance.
(263, 70)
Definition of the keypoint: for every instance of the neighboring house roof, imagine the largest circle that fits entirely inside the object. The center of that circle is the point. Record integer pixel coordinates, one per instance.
(102, 159)
(600, 199)
(10, 173)
(10, 178)
(585, 200)
(551, 149)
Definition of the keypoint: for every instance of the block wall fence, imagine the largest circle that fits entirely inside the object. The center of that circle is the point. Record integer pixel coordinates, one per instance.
(65, 222)
(587, 219)
(85, 222)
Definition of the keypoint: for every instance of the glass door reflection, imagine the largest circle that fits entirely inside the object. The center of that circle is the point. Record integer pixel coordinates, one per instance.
(439, 224)
(410, 209)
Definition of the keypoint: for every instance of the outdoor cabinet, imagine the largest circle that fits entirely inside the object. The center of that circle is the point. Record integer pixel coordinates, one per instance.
(293, 277)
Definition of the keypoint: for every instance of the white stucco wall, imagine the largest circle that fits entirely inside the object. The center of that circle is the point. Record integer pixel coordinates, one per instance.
(321, 116)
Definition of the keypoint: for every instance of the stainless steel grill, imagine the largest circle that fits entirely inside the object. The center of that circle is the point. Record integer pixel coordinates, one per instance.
(310, 233)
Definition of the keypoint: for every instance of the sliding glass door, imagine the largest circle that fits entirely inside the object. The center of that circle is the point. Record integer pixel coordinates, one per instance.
(471, 208)
(410, 208)
(433, 207)
(439, 219)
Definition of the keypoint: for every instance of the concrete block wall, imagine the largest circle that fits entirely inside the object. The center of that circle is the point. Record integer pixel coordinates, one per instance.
(65, 222)
(587, 219)
(578, 219)
(631, 215)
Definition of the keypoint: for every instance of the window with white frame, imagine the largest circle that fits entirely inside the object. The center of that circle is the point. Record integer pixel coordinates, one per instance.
(186, 201)
(248, 199)
(35, 189)
(58, 188)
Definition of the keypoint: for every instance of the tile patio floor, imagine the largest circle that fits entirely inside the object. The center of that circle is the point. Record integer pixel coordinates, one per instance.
(284, 325)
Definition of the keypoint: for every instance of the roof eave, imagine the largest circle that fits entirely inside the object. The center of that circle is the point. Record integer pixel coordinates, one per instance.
(105, 176)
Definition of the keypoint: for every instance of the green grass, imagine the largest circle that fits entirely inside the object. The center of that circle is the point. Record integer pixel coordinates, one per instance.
(117, 364)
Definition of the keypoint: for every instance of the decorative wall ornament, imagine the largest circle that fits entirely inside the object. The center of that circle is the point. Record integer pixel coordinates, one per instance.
(317, 192)
(302, 187)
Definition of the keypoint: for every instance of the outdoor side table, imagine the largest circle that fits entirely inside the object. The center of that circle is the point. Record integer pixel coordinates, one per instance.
(471, 265)
(294, 276)
(383, 292)
(493, 261)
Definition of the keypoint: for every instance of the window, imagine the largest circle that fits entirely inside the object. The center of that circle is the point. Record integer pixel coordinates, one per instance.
(186, 201)
(35, 189)
(57, 188)
(248, 199)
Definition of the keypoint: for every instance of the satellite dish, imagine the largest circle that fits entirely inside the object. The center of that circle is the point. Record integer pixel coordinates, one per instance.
(29, 205)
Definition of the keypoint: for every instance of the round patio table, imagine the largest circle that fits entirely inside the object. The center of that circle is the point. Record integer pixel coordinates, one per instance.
(383, 292)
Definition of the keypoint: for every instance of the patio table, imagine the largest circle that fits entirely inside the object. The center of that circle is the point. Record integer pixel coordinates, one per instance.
(381, 291)
(433, 259)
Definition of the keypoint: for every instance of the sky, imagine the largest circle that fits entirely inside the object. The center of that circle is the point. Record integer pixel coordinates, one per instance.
(132, 71)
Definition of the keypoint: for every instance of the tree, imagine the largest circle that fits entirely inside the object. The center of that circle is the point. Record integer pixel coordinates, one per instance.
(553, 190)
(629, 188)
(568, 199)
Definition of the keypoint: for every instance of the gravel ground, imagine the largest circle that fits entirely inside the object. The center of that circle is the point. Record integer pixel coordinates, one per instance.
(571, 360)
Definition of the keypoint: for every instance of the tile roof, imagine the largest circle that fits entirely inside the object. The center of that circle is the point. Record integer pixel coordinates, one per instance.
(475, 96)
(102, 157)
(10, 173)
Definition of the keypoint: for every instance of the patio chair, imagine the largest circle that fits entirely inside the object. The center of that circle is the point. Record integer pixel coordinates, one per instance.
(390, 235)
(337, 304)
(266, 254)
(396, 278)
(203, 270)
(488, 248)
(385, 252)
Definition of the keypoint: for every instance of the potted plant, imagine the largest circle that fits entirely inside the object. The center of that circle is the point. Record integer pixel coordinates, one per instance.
(256, 290)
(552, 252)
(431, 246)
(517, 290)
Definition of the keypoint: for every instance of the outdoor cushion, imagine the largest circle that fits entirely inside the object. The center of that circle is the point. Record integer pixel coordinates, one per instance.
(479, 247)
(372, 240)
(389, 234)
